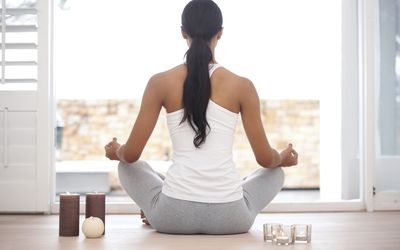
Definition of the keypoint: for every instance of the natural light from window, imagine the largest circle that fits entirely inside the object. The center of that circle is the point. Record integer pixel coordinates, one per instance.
(104, 55)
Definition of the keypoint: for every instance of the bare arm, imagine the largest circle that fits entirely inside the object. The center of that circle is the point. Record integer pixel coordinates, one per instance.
(144, 125)
(265, 155)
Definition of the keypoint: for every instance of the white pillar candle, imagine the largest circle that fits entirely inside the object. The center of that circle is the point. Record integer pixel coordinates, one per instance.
(93, 227)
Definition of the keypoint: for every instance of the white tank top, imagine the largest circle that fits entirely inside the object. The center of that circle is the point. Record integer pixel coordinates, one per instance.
(206, 174)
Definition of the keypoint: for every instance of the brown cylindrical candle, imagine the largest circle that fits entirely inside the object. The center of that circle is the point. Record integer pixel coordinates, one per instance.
(69, 215)
(96, 206)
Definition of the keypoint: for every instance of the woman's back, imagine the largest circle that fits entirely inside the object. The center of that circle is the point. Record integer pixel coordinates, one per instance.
(206, 173)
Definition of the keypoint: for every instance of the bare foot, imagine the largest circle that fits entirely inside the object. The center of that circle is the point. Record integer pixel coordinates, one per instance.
(144, 218)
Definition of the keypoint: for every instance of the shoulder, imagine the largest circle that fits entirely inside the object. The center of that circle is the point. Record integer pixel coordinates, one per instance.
(170, 73)
(241, 84)
(163, 79)
(246, 85)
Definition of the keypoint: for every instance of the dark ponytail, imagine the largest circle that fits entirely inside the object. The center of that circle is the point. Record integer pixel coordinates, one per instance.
(201, 21)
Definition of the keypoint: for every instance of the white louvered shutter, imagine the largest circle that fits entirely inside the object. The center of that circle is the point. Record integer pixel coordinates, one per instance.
(21, 177)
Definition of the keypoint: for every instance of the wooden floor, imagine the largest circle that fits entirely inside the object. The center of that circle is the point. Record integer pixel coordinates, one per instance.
(377, 231)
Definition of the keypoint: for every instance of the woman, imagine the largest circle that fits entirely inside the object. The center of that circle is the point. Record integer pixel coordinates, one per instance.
(202, 192)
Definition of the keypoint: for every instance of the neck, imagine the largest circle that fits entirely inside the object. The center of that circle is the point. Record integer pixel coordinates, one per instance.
(213, 61)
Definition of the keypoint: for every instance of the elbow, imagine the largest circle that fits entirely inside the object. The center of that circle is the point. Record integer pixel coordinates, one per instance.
(268, 160)
(265, 162)
(131, 158)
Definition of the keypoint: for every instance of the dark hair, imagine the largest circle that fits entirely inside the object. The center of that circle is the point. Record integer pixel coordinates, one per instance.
(201, 21)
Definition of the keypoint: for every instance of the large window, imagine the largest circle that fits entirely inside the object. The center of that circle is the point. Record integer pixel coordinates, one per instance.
(104, 55)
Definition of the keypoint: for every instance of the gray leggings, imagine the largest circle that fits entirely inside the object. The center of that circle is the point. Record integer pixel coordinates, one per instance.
(174, 216)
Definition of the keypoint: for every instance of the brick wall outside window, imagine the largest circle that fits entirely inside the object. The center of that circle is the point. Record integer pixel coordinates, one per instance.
(90, 124)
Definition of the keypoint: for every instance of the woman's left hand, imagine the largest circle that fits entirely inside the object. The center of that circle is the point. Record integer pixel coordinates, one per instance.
(111, 149)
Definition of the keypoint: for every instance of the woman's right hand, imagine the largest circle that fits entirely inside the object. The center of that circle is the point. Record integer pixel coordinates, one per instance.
(111, 149)
(288, 157)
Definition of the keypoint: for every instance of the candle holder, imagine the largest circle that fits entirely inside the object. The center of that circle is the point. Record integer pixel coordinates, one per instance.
(269, 232)
(302, 233)
(284, 234)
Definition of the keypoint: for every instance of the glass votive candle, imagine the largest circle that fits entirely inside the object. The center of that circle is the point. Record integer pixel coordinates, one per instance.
(269, 230)
(283, 234)
(302, 233)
